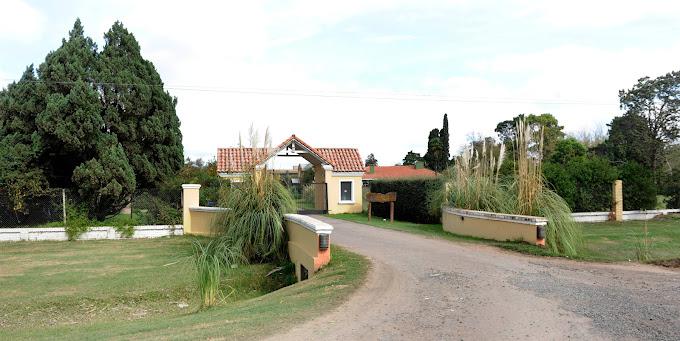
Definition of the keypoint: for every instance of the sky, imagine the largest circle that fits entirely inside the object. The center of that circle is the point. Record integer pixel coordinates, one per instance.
(373, 75)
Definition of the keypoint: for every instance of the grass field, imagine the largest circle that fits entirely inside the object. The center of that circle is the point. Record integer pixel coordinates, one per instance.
(602, 241)
(140, 289)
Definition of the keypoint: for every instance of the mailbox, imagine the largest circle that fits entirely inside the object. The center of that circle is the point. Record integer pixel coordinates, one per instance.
(324, 241)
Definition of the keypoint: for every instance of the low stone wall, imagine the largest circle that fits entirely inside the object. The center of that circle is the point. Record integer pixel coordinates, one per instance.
(308, 244)
(594, 217)
(496, 226)
(100, 232)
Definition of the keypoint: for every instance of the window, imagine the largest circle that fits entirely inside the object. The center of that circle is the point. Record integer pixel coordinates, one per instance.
(346, 194)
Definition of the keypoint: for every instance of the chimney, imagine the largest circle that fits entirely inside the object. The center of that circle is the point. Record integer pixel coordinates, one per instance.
(420, 165)
(371, 169)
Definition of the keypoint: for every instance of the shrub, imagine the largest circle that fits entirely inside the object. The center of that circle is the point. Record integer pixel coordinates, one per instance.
(413, 199)
(160, 212)
(639, 189)
(77, 222)
(584, 182)
(672, 189)
(126, 227)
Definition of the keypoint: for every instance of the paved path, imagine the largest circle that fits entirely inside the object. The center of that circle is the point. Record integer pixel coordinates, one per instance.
(428, 289)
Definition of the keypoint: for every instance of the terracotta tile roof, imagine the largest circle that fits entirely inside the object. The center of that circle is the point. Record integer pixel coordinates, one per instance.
(343, 159)
(395, 172)
(235, 160)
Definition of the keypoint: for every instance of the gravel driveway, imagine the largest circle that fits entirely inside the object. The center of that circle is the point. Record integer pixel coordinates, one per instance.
(421, 288)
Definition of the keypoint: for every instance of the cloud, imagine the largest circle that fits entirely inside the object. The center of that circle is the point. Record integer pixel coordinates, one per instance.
(595, 14)
(20, 22)
(218, 48)
(391, 38)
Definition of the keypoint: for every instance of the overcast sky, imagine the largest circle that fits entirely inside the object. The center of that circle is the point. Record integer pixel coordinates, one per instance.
(344, 73)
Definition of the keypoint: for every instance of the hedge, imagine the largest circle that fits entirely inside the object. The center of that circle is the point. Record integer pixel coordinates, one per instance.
(585, 183)
(413, 199)
(639, 189)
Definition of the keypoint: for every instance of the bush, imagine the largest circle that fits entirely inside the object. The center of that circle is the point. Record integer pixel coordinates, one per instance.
(77, 222)
(413, 199)
(672, 189)
(639, 189)
(584, 182)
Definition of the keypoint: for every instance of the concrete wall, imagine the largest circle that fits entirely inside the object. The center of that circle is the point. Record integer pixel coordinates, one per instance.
(303, 243)
(100, 232)
(496, 226)
(595, 217)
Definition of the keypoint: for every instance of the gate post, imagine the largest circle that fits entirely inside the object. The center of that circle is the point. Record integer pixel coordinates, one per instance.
(617, 200)
(190, 198)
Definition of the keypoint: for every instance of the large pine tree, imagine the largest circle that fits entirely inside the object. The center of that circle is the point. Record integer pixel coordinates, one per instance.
(138, 110)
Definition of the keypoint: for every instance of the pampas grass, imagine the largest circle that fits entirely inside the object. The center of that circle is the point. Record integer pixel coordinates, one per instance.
(475, 183)
(251, 230)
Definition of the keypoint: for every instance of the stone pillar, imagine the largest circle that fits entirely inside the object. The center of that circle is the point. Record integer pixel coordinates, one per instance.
(190, 195)
(617, 200)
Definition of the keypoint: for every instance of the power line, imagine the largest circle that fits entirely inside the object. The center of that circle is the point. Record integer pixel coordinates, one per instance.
(342, 94)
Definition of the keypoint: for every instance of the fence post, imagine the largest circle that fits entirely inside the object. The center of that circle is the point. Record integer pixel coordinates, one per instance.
(617, 200)
(63, 203)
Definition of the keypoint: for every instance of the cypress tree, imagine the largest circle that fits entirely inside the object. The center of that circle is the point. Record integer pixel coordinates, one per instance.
(98, 123)
(444, 136)
(78, 148)
(138, 110)
(20, 176)
(435, 150)
(71, 122)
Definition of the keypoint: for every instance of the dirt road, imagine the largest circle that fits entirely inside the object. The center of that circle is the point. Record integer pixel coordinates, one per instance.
(428, 289)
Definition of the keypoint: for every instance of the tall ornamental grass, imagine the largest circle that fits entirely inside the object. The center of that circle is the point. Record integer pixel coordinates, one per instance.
(475, 183)
(254, 222)
(250, 231)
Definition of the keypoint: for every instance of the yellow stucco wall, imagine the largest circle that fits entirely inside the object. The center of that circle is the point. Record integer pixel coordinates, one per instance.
(203, 222)
(333, 184)
(488, 228)
(303, 246)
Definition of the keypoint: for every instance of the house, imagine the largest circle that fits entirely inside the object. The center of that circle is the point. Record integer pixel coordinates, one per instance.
(337, 171)
(397, 172)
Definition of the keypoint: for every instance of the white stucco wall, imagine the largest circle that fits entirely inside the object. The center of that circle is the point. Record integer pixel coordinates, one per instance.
(103, 232)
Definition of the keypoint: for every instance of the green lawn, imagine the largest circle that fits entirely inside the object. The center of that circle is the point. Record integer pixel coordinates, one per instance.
(617, 241)
(602, 241)
(141, 289)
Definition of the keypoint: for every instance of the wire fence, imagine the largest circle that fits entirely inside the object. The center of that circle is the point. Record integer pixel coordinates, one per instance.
(146, 207)
(34, 211)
